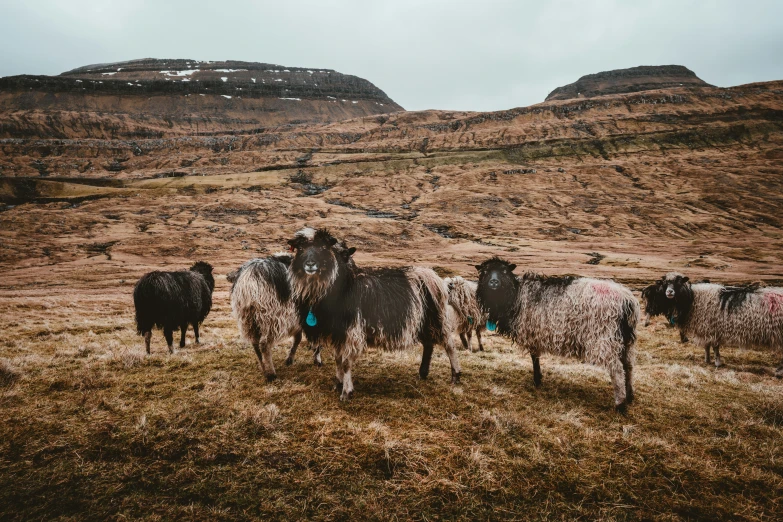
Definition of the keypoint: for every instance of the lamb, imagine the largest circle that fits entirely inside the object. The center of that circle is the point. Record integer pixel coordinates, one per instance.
(713, 315)
(467, 316)
(591, 319)
(172, 300)
(265, 313)
(350, 308)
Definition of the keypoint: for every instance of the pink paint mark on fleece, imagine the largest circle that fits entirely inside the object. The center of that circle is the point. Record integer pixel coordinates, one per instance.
(603, 289)
(774, 302)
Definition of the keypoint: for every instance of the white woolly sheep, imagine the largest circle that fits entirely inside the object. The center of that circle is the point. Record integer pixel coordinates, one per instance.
(713, 315)
(467, 316)
(262, 304)
(590, 319)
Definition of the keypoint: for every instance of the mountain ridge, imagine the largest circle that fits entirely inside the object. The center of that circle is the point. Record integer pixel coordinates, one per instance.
(623, 81)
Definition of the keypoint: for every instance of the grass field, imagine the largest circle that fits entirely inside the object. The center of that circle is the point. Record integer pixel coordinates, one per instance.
(94, 429)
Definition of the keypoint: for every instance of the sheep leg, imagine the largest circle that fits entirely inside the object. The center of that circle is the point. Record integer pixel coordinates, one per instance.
(456, 371)
(683, 337)
(718, 360)
(628, 370)
(470, 340)
(169, 335)
(265, 359)
(269, 366)
(426, 358)
(478, 338)
(317, 356)
(147, 338)
(618, 382)
(195, 331)
(183, 331)
(347, 393)
(465, 343)
(338, 364)
(707, 359)
(536, 370)
(292, 353)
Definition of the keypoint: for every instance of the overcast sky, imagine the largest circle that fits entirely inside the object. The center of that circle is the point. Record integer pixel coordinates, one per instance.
(425, 54)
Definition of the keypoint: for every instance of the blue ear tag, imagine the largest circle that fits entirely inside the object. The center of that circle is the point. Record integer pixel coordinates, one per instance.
(491, 326)
(470, 320)
(671, 320)
(311, 320)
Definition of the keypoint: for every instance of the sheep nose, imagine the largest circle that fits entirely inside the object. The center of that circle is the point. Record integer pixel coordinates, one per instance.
(311, 267)
(494, 283)
(669, 293)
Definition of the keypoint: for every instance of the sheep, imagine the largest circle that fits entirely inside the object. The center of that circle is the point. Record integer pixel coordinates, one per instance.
(714, 315)
(265, 313)
(591, 319)
(172, 300)
(349, 308)
(467, 316)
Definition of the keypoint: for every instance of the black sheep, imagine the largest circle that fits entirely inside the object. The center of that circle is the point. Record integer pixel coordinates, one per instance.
(171, 300)
(349, 308)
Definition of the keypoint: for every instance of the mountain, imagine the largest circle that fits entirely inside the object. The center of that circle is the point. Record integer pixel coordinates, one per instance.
(684, 177)
(153, 98)
(635, 79)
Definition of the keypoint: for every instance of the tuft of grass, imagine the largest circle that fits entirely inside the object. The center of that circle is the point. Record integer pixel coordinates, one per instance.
(8, 373)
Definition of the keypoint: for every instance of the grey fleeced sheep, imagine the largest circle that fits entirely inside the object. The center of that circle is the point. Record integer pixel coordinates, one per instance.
(467, 317)
(591, 319)
(713, 315)
(262, 304)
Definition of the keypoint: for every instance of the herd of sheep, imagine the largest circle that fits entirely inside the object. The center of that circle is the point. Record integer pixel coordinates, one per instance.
(318, 291)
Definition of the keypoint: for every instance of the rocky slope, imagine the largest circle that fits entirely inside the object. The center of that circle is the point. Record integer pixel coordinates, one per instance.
(153, 98)
(635, 79)
(626, 186)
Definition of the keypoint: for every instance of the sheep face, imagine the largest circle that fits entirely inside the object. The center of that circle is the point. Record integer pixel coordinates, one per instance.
(318, 258)
(673, 284)
(670, 296)
(497, 290)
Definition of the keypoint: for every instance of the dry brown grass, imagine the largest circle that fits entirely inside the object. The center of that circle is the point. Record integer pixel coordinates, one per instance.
(94, 429)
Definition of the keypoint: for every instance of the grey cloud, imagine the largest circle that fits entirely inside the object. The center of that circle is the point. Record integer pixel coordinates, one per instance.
(435, 54)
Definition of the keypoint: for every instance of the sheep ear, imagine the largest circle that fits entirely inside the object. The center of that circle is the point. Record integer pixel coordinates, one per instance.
(351, 251)
(478, 267)
(685, 279)
(332, 241)
(512, 267)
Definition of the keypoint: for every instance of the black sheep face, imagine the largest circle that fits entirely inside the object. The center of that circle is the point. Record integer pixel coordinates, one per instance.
(666, 295)
(318, 258)
(497, 289)
(674, 285)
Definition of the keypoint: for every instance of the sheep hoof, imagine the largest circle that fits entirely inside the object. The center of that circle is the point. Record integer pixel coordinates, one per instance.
(318, 362)
(424, 374)
(271, 377)
(455, 377)
(718, 363)
(289, 361)
(345, 397)
(622, 408)
(629, 397)
(338, 385)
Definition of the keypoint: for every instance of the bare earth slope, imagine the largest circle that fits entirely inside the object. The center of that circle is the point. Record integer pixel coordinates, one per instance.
(627, 185)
